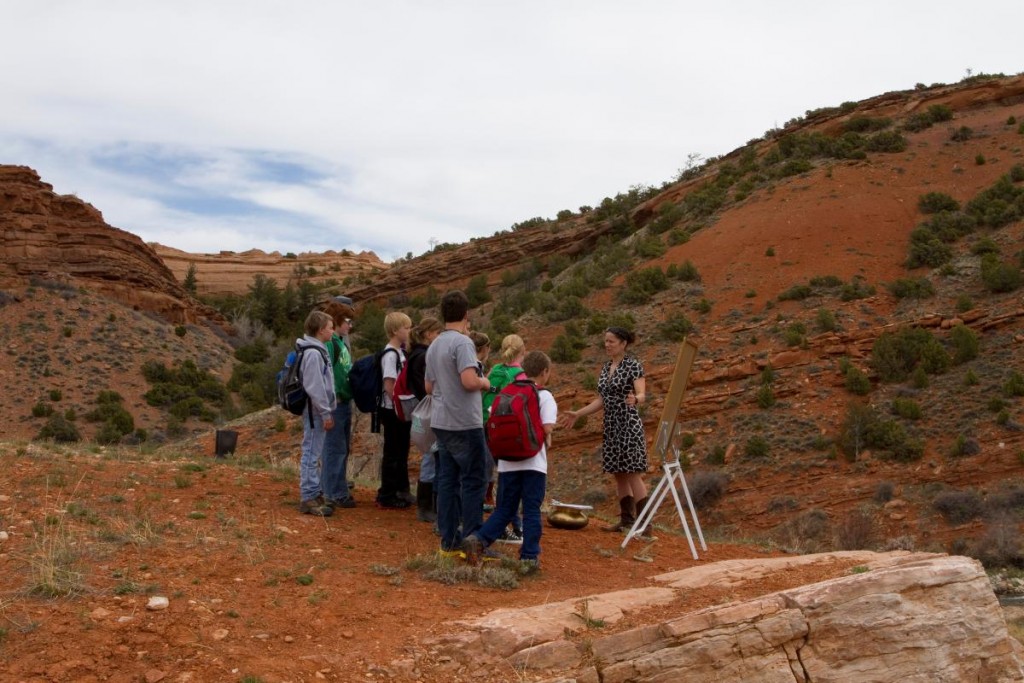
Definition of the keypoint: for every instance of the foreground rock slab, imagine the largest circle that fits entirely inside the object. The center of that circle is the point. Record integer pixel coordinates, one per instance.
(908, 617)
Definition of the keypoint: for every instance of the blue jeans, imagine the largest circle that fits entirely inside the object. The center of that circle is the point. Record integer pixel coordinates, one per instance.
(428, 465)
(528, 487)
(460, 484)
(334, 460)
(312, 448)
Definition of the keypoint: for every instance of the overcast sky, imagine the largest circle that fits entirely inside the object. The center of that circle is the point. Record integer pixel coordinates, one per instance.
(304, 126)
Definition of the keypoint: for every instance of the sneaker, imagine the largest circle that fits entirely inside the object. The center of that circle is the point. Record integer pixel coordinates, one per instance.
(451, 554)
(510, 536)
(407, 496)
(528, 567)
(473, 548)
(396, 503)
(347, 502)
(491, 555)
(315, 507)
(488, 507)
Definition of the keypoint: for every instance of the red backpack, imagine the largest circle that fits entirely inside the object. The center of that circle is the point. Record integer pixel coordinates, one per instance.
(402, 396)
(514, 429)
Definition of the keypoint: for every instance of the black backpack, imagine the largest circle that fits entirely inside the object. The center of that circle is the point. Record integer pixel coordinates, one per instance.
(367, 382)
(291, 395)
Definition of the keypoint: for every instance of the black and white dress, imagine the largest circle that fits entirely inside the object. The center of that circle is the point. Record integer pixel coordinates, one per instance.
(624, 446)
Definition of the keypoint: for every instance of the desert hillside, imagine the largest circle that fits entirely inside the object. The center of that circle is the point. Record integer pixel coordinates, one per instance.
(853, 282)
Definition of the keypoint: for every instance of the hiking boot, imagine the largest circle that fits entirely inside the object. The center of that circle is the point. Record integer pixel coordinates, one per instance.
(347, 502)
(315, 507)
(473, 548)
(627, 515)
(491, 555)
(510, 536)
(528, 567)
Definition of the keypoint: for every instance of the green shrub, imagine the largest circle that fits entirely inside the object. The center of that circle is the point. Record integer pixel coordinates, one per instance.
(965, 344)
(985, 245)
(998, 205)
(1014, 386)
(675, 328)
(826, 320)
(927, 250)
(678, 236)
(756, 448)
(890, 141)
(765, 396)
(796, 293)
(857, 382)
(795, 334)
(912, 288)
(642, 284)
(829, 281)
(649, 248)
(919, 378)
(856, 289)
(934, 202)
(702, 306)
(979, 160)
(564, 351)
(60, 430)
(687, 272)
(961, 134)
(866, 124)
(706, 488)
(476, 290)
(41, 409)
(1017, 173)
(959, 507)
(998, 276)
(907, 408)
(895, 355)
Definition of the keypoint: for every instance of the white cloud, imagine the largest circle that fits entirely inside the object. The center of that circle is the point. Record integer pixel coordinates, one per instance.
(446, 119)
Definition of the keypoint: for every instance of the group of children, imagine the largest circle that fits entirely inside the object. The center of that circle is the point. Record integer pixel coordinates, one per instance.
(457, 475)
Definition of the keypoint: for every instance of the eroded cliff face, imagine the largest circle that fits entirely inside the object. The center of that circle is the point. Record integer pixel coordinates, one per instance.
(230, 272)
(60, 238)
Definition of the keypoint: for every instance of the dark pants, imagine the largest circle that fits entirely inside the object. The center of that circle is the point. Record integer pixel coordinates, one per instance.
(460, 484)
(528, 487)
(394, 463)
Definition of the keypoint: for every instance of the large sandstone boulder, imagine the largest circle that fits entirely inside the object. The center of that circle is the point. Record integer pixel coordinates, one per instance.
(892, 617)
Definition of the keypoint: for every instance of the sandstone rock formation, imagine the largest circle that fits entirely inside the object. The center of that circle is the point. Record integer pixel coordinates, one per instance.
(231, 273)
(61, 239)
(889, 617)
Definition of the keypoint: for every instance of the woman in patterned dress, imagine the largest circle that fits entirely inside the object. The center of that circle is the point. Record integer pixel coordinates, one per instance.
(621, 389)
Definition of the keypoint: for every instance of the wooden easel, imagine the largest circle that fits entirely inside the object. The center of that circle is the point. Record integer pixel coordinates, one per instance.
(666, 446)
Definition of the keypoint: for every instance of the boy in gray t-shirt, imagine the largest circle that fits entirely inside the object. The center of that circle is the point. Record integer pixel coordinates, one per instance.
(453, 378)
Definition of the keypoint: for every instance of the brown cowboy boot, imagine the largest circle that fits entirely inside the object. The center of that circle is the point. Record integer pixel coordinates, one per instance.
(645, 532)
(627, 515)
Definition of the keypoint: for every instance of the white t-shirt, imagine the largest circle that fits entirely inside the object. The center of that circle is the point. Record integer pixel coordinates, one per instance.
(539, 462)
(389, 366)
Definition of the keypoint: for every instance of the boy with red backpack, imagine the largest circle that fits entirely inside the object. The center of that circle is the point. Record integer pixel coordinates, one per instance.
(522, 418)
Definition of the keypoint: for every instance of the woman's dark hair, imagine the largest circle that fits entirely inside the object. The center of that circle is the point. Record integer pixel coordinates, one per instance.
(623, 334)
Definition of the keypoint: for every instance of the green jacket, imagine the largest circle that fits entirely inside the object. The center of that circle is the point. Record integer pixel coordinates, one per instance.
(341, 362)
(501, 376)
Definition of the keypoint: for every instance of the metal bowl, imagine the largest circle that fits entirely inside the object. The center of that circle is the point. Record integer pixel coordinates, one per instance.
(568, 516)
